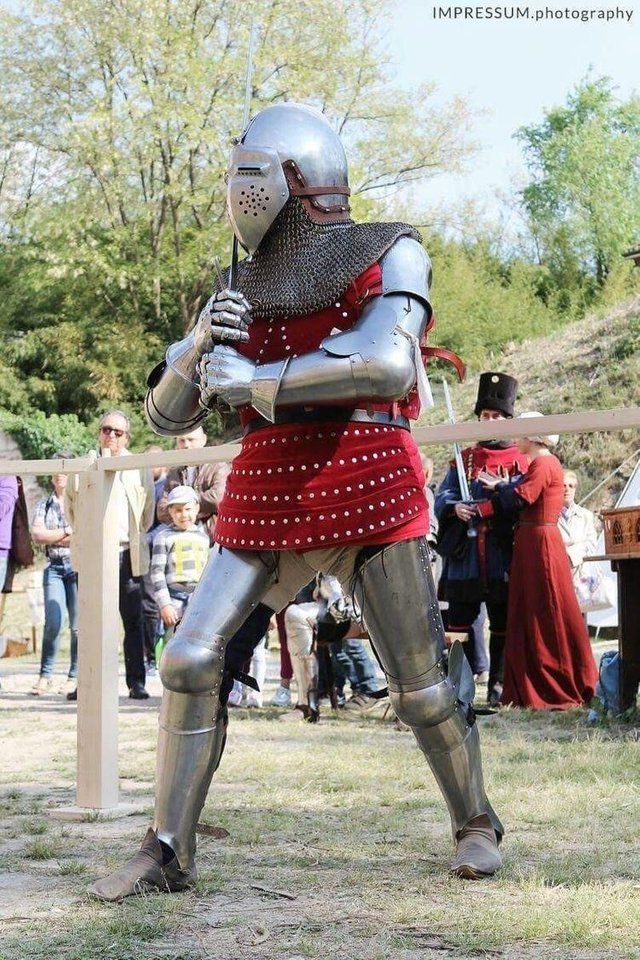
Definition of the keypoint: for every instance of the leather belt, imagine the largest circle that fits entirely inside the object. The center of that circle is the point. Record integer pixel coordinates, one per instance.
(329, 415)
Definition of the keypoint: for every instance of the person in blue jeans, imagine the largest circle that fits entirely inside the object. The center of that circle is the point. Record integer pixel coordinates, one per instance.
(60, 582)
(352, 664)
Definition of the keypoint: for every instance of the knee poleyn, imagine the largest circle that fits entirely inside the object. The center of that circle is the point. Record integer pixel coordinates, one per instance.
(425, 707)
(188, 667)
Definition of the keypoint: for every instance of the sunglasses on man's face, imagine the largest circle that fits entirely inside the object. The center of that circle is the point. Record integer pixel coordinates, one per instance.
(112, 430)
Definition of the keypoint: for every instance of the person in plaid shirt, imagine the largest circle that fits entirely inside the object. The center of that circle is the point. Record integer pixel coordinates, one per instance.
(51, 530)
(180, 552)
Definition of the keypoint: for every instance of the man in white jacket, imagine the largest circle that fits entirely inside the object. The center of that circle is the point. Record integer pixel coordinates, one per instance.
(578, 529)
(135, 509)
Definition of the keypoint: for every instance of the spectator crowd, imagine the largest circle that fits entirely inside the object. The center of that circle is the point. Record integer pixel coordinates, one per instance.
(509, 560)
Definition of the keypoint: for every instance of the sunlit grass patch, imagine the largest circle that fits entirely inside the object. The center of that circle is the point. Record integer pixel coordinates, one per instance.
(125, 932)
(72, 868)
(35, 826)
(48, 849)
(346, 817)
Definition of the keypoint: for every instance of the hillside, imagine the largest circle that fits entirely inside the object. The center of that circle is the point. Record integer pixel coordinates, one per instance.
(592, 364)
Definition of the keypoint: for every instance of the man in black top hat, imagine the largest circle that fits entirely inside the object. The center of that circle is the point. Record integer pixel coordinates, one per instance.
(476, 566)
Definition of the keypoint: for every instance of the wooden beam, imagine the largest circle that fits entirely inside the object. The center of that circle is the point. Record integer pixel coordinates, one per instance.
(44, 467)
(223, 453)
(584, 421)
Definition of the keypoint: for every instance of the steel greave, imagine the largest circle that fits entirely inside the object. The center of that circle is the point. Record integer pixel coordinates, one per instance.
(396, 595)
(452, 750)
(190, 746)
(192, 726)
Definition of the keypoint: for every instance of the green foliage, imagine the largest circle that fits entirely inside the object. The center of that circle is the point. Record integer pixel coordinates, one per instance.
(115, 140)
(482, 302)
(583, 204)
(40, 437)
(114, 143)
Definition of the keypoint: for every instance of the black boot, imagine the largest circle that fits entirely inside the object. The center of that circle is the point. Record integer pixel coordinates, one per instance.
(496, 669)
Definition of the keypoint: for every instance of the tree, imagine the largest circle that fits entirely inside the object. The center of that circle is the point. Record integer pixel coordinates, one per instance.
(118, 121)
(583, 204)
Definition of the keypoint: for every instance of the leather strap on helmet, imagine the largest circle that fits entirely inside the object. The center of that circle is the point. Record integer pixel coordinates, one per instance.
(298, 187)
(319, 191)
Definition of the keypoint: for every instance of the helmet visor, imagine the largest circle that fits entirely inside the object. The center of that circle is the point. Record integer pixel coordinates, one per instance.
(257, 190)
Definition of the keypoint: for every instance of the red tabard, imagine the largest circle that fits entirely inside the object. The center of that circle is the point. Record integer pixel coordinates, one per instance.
(548, 658)
(312, 485)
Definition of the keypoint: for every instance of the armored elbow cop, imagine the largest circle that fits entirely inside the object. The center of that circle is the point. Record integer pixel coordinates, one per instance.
(376, 358)
(380, 345)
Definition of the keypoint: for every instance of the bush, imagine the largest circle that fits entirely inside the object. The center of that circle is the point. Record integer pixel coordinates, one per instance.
(40, 437)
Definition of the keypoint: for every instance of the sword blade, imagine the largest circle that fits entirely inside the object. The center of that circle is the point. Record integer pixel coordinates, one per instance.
(248, 90)
(248, 83)
(457, 452)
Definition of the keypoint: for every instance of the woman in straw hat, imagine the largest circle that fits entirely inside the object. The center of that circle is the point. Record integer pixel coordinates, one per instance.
(548, 659)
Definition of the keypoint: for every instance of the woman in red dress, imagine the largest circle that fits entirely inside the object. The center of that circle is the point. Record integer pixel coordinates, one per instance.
(548, 660)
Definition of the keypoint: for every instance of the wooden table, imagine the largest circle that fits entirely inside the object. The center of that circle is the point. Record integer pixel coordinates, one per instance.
(627, 566)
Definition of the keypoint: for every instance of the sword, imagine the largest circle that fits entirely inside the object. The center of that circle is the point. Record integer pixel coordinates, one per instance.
(233, 269)
(222, 407)
(457, 453)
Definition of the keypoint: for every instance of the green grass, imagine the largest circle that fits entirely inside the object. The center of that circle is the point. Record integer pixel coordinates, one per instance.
(42, 850)
(72, 868)
(35, 826)
(346, 817)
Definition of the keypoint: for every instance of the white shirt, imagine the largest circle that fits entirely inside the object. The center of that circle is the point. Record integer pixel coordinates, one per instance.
(578, 529)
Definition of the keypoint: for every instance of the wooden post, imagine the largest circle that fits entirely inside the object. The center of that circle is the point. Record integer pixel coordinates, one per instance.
(98, 635)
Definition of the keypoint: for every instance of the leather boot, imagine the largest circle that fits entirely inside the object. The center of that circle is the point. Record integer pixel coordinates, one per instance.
(477, 853)
(145, 871)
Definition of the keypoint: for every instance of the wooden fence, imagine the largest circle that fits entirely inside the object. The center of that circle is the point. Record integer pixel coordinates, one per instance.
(96, 540)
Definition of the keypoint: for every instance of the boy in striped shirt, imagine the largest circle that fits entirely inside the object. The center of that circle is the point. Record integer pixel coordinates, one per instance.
(180, 552)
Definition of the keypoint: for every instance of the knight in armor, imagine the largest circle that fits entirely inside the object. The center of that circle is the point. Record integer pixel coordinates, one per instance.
(316, 344)
(300, 624)
(476, 567)
(322, 617)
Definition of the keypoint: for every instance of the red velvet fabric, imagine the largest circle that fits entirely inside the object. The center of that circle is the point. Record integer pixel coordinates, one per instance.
(500, 460)
(315, 485)
(548, 660)
(310, 486)
(479, 457)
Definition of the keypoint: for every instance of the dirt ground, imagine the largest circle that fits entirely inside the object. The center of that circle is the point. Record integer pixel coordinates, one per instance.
(337, 842)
